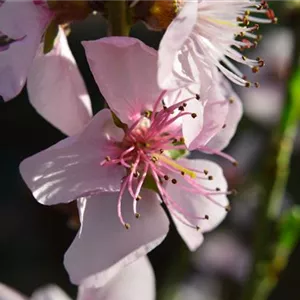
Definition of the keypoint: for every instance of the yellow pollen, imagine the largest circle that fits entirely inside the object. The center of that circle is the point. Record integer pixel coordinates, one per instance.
(175, 165)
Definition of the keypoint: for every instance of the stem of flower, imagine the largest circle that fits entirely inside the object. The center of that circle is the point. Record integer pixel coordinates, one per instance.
(118, 17)
(275, 175)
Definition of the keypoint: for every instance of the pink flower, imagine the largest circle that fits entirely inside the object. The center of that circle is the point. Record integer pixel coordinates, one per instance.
(122, 167)
(204, 34)
(135, 280)
(55, 87)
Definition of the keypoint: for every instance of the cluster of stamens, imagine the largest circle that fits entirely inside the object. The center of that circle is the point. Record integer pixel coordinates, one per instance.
(145, 153)
(247, 38)
(213, 35)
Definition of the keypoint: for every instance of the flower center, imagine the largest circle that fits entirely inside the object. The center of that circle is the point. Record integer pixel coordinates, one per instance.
(149, 151)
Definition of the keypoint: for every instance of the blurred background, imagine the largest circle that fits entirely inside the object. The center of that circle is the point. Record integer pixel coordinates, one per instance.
(33, 238)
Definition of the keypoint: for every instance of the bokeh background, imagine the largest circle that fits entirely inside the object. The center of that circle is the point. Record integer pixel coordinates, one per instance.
(33, 238)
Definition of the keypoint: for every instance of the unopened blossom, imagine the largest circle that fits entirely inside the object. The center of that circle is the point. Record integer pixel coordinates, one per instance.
(131, 158)
(55, 87)
(135, 280)
(211, 33)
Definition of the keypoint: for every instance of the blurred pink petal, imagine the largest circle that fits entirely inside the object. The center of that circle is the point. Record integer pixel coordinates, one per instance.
(24, 22)
(196, 205)
(224, 254)
(56, 89)
(133, 281)
(71, 168)
(50, 292)
(7, 293)
(104, 247)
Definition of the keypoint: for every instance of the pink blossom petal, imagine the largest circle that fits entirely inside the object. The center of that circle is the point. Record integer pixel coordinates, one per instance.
(56, 89)
(134, 282)
(191, 127)
(7, 293)
(215, 115)
(71, 168)
(125, 71)
(198, 205)
(104, 246)
(25, 22)
(234, 115)
(49, 292)
(173, 40)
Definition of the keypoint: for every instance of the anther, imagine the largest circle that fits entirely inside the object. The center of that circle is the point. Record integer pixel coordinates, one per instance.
(154, 159)
(137, 215)
(233, 192)
(138, 198)
(182, 140)
(166, 177)
(194, 115)
(182, 173)
(147, 114)
(205, 172)
(218, 189)
(161, 151)
(231, 100)
(184, 105)
(210, 177)
(255, 69)
(247, 84)
(107, 158)
(197, 228)
(256, 84)
(244, 57)
(174, 181)
(235, 163)
(224, 126)
(181, 108)
(228, 208)
(197, 97)
(206, 217)
(136, 174)
(127, 225)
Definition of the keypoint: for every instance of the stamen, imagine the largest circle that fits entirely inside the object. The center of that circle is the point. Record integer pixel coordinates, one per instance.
(175, 165)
